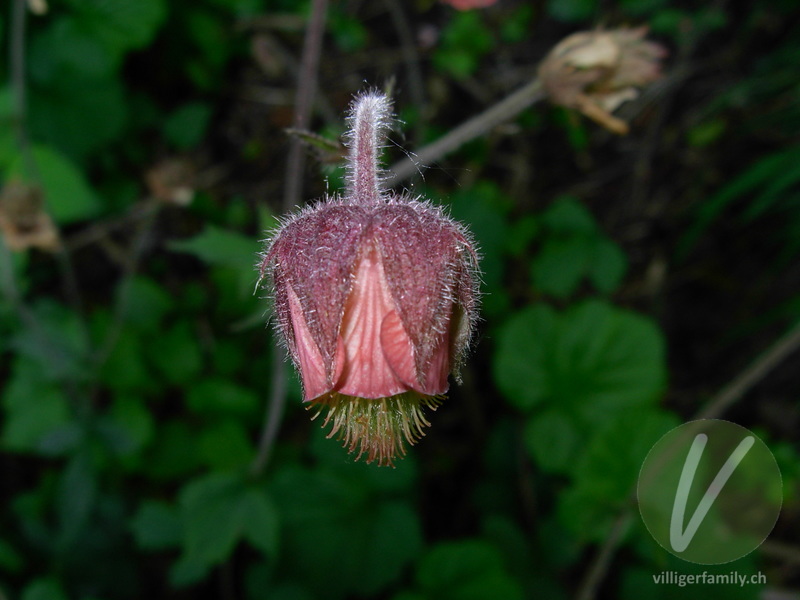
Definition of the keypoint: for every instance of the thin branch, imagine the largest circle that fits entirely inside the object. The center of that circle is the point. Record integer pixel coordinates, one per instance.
(416, 85)
(9, 288)
(755, 372)
(602, 561)
(782, 551)
(306, 89)
(16, 50)
(123, 299)
(30, 169)
(274, 412)
(99, 230)
(471, 129)
(727, 396)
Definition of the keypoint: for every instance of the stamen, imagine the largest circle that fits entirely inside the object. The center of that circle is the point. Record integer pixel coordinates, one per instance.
(377, 427)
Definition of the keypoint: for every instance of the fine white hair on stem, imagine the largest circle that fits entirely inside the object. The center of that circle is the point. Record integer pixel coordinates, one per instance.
(370, 117)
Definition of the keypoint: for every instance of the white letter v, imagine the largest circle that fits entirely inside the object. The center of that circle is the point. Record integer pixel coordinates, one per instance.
(680, 540)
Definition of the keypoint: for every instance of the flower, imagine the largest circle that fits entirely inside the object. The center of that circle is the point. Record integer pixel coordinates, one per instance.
(469, 4)
(376, 298)
(596, 71)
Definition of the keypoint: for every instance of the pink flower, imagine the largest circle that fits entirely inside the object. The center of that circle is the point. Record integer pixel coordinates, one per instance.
(469, 4)
(375, 295)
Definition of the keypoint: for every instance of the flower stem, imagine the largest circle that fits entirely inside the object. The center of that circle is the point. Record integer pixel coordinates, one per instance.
(368, 120)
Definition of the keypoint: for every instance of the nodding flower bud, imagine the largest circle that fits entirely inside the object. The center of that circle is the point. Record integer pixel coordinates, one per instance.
(376, 298)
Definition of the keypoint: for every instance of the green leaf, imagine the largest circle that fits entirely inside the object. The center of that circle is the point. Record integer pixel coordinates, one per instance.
(68, 47)
(220, 247)
(145, 302)
(571, 10)
(259, 518)
(225, 446)
(552, 440)
(466, 570)
(605, 476)
(157, 526)
(77, 492)
(483, 208)
(122, 24)
(519, 25)
(220, 396)
(640, 8)
(210, 524)
(521, 361)
(78, 114)
(218, 510)
(174, 453)
(465, 40)
(125, 369)
(521, 232)
(68, 195)
(33, 409)
(130, 426)
(179, 359)
(561, 264)
(186, 127)
(44, 589)
(776, 166)
(593, 360)
(607, 266)
(11, 561)
(605, 360)
(348, 31)
(567, 215)
(57, 343)
(706, 133)
(357, 541)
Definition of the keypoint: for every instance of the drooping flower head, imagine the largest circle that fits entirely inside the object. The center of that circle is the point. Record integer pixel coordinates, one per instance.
(376, 298)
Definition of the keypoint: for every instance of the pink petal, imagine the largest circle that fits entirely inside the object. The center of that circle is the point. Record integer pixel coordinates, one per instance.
(438, 369)
(398, 351)
(312, 367)
(366, 373)
(399, 354)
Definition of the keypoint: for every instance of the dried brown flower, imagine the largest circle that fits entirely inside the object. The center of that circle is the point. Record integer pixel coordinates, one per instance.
(596, 71)
(24, 222)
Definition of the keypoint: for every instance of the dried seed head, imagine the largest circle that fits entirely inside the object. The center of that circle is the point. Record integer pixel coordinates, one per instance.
(596, 71)
(24, 222)
(376, 298)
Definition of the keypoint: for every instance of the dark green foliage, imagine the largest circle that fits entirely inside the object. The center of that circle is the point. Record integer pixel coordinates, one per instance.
(625, 281)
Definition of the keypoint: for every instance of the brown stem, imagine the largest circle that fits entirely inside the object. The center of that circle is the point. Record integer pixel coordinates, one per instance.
(602, 561)
(473, 128)
(755, 372)
(306, 88)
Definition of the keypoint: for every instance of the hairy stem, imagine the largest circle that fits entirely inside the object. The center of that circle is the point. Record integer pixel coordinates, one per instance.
(367, 121)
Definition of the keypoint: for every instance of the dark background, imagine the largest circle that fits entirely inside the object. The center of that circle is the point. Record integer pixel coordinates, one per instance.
(629, 284)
